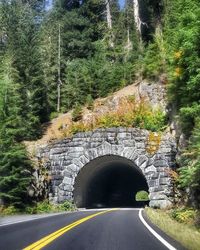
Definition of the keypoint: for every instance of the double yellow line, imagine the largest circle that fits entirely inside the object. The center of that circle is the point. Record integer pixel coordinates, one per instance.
(51, 237)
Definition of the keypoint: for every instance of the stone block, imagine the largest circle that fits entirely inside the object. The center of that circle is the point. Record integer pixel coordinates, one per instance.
(75, 149)
(164, 150)
(160, 163)
(106, 147)
(75, 154)
(67, 173)
(150, 169)
(67, 180)
(78, 163)
(164, 181)
(157, 196)
(68, 188)
(84, 159)
(152, 183)
(123, 135)
(92, 153)
(160, 204)
(128, 152)
(134, 156)
(140, 145)
(129, 143)
(156, 189)
(141, 159)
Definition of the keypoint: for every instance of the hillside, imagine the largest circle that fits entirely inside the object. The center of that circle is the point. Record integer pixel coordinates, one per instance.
(151, 93)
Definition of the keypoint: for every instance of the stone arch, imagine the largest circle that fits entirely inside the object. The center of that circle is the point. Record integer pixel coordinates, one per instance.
(107, 181)
(68, 156)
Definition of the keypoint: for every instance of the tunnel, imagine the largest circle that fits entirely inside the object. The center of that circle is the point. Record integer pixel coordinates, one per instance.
(109, 181)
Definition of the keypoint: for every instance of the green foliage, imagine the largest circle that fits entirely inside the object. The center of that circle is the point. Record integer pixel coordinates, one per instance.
(11, 210)
(47, 207)
(15, 167)
(89, 102)
(184, 215)
(190, 170)
(182, 36)
(154, 63)
(38, 208)
(15, 174)
(77, 113)
(67, 206)
(129, 114)
(142, 196)
(54, 115)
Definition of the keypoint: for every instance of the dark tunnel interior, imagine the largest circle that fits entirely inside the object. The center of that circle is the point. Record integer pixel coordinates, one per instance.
(109, 181)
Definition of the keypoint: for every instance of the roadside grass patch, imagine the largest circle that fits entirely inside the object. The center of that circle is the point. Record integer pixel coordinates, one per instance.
(186, 234)
(38, 208)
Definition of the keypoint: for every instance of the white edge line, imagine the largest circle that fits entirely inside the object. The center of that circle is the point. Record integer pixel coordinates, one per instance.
(163, 241)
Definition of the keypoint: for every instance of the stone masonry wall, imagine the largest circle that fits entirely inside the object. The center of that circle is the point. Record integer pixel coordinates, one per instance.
(66, 157)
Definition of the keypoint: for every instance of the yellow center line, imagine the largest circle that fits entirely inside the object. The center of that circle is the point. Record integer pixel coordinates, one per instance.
(51, 237)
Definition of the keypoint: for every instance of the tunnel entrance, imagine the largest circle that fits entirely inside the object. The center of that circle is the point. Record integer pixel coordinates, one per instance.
(109, 181)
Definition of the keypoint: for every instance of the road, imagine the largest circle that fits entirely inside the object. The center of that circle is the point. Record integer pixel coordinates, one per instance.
(120, 229)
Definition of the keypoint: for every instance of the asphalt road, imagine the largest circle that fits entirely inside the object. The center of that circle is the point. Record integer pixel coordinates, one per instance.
(114, 230)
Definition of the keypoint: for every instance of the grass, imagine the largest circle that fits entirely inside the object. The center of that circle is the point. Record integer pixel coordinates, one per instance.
(186, 234)
(130, 113)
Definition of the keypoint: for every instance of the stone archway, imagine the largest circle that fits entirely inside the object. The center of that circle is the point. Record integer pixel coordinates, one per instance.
(108, 181)
(67, 157)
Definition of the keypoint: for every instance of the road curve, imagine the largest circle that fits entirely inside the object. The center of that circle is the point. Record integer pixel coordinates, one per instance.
(119, 229)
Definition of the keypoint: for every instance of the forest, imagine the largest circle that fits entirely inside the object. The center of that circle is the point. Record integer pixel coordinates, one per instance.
(57, 57)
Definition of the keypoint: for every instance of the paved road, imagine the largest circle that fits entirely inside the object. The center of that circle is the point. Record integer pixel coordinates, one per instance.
(119, 229)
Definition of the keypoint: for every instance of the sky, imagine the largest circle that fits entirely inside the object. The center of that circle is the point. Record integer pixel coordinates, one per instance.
(121, 2)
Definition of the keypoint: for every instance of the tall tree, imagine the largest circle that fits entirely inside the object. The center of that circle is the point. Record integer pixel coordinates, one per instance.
(22, 40)
(15, 167)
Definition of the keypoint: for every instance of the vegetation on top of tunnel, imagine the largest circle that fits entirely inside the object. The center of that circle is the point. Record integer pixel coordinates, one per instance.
(130, 113)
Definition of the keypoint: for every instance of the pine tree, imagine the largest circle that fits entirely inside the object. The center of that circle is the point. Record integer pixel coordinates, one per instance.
(15, 167)
(20, 22)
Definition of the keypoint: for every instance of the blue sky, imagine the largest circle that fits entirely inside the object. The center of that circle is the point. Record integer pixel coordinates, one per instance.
(121, 2)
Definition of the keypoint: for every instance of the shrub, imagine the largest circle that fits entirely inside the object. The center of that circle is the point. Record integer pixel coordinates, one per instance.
(67, 206)
(10, 210)
(89, 102)
(47, 207)
(53, 115)
(77, 113)
(184, 215)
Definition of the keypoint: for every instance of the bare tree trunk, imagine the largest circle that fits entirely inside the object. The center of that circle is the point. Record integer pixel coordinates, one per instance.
(59, 75)
(109, 22)
(129, 45)
(138, 21)
(137, 15)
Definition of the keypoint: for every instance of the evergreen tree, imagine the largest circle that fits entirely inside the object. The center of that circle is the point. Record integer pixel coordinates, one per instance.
(15, 167)
(22, 41)
(182, 36)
